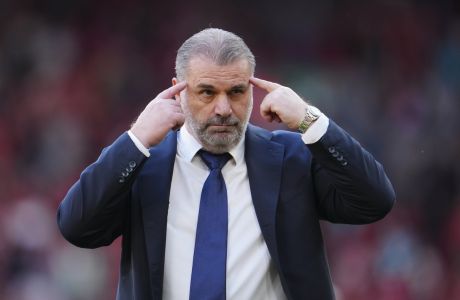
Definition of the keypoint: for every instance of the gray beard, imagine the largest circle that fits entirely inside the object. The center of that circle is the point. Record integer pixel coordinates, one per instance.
(213, 140)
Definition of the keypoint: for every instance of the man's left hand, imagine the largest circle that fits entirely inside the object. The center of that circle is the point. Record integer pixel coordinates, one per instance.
(280, 104)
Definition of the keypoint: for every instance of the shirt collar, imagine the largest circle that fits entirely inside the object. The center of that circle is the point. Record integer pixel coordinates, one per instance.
(188, 146)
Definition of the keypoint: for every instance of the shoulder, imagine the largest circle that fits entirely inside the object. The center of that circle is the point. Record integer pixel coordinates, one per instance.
(167, 145)
(287, 138)
(289, 143)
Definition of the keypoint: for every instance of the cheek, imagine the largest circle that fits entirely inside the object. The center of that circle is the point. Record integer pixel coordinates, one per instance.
(192, 103)
(198, 109)
(240, 108)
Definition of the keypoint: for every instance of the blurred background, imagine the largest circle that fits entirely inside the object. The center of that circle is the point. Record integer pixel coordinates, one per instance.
(75, 74)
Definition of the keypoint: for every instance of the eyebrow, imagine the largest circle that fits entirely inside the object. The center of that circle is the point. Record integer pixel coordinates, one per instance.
(205, 86)
(241, 86)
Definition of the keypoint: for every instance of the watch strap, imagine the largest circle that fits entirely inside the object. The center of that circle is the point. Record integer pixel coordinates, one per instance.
(311, 115)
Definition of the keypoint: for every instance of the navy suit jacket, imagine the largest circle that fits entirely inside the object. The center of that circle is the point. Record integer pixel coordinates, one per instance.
(293, 186)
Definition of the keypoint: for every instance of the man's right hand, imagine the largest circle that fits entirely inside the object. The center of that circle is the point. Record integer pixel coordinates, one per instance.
(159, 116)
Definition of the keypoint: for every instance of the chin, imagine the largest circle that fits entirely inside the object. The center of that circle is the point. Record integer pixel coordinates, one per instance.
(220, 142)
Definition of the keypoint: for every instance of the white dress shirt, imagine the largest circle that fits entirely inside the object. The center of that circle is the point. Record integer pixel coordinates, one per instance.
(250, 271)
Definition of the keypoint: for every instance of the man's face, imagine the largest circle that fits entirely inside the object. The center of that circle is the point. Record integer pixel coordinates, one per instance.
(217, 102)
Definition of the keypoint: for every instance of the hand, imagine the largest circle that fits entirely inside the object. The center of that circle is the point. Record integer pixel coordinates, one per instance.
(280, 104)
(159, 116)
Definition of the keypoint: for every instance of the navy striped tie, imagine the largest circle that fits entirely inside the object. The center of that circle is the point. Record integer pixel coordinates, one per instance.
(210, 256)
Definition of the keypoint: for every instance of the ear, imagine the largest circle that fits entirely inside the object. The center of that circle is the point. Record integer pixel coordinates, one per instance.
(174, 82)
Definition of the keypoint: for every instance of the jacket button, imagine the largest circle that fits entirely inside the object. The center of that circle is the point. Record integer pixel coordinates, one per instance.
(132, 164)
(331, 149)
(121, 180)
(340, 158)
(335, 154)
(344, 163)
(124, 174)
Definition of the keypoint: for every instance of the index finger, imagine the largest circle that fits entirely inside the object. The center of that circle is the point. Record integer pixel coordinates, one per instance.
(173, 90)
(264, 84)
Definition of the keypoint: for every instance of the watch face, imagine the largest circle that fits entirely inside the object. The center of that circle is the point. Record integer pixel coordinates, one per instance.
(315, 113)
(311, 115)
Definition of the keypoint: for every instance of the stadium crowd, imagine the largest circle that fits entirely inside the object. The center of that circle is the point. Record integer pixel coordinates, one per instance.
(75, 74)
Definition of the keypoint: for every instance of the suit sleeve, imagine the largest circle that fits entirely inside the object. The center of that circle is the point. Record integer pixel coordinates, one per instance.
(94, 210)
(351, 186)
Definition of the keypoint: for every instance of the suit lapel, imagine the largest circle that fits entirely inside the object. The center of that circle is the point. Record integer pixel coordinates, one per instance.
(155, 185)
(264, 160)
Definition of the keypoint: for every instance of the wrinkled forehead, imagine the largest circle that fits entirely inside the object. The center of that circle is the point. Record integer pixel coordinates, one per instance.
(204, 71)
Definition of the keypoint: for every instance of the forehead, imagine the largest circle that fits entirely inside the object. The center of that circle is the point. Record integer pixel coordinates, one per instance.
(205, 71)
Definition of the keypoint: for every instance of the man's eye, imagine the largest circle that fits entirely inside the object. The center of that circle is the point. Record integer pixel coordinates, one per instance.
(207, 92)
(237, 92)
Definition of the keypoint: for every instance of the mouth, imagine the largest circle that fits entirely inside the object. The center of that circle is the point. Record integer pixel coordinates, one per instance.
(221, 128)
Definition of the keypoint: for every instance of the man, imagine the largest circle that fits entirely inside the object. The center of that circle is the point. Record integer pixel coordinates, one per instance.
(246, 227)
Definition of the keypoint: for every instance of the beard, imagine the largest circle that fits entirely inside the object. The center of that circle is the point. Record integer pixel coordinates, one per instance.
(218, 134)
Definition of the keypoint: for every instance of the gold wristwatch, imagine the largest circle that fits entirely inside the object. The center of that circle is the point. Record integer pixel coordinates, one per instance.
(311, 115)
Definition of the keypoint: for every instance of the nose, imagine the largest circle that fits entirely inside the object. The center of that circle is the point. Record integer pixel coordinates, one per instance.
(222, 106)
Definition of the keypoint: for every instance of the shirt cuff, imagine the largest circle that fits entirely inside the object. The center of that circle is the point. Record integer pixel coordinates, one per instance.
(138, 144)
(316, 130)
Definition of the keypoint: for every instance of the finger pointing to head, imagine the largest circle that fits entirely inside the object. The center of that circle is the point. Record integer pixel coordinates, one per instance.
(173, 90)
(264, 84)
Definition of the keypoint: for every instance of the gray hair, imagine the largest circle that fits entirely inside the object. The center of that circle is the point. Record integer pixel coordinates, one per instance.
(221, 46)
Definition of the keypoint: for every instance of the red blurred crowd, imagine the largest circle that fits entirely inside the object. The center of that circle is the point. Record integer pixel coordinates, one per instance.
(75, 74)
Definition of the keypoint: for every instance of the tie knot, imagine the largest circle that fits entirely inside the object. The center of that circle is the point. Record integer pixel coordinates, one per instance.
(214, 161)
